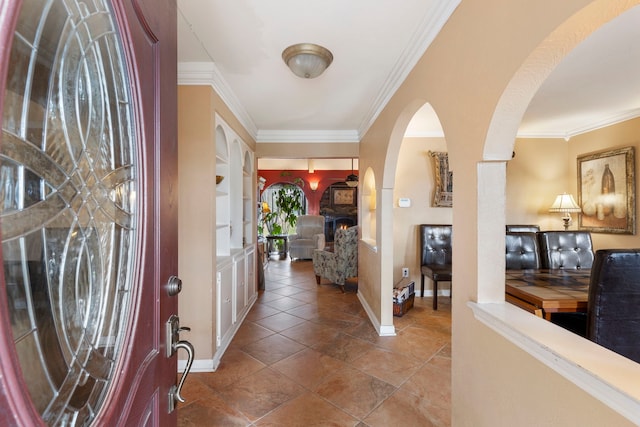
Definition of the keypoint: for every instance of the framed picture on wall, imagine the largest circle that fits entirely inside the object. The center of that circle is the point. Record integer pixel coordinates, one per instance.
(343, 196)
(443, 193)
(607, 191)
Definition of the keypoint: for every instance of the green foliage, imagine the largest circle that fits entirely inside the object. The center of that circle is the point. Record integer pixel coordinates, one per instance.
(283, 216)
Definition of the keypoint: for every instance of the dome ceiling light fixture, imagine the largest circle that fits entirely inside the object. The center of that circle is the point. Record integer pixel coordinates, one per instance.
(307, 60)
(352, 179)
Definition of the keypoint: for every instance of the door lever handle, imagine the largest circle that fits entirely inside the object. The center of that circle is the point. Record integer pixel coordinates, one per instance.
(174, 391)
(173, 344)
(188, 347)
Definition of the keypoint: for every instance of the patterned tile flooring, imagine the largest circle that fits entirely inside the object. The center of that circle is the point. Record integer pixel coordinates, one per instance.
(307, 355)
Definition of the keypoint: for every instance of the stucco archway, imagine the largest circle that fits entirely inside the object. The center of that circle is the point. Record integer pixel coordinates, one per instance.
(390, 269)
(504, 125)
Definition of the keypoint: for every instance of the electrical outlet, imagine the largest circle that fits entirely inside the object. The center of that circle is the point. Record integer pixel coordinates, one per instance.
(405, 272)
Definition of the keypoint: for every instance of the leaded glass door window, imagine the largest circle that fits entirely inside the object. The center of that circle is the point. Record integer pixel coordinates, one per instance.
(68, 204)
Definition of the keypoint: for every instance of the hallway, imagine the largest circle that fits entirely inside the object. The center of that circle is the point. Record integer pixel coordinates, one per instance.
(308, 355)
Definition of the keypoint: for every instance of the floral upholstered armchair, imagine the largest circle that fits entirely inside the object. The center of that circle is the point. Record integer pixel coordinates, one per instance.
(342, 263)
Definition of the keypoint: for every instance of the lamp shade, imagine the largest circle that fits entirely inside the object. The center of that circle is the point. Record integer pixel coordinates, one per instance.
(352, 180)
(565, 203)
(307, 60)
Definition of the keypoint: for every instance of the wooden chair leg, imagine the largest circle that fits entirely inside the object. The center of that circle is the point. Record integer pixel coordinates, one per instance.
(317, 279)
(422, 287)
(435, 295)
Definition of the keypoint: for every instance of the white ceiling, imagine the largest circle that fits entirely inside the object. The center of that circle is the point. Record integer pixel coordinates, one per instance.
(375, 44)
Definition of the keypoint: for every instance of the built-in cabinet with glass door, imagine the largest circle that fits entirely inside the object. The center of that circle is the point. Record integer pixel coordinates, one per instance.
(235, 285)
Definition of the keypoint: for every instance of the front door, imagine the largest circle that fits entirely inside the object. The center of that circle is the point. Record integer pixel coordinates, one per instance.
(88, 213)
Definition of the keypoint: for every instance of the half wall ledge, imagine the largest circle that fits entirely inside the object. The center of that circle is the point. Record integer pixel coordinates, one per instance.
(584, 363)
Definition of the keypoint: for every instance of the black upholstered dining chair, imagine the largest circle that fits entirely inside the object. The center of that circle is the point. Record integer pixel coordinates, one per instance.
(522, 228)
(521, 251)
(565, 249)
(613, 315)
(435, 241)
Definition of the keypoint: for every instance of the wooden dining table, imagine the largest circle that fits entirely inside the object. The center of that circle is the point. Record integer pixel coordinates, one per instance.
(546, 291)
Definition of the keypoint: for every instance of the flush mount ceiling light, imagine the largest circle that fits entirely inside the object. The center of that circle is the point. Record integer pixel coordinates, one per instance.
(307, 60)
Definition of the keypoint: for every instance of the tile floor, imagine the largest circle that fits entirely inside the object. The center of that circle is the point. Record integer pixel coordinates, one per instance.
(307, 355)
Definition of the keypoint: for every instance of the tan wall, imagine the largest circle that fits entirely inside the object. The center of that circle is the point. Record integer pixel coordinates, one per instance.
(415, 180)
(535, 176)
(369, 275)
(197, 106)
(196, 216)
(505, 387)
(544, 168)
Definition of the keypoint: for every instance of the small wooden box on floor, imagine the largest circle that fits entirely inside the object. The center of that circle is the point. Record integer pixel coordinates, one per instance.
(404, 292)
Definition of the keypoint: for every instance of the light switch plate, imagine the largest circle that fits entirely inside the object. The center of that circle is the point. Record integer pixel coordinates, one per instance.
(404, 202)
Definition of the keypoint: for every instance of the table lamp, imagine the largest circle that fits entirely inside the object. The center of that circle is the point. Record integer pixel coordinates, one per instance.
(565, 204)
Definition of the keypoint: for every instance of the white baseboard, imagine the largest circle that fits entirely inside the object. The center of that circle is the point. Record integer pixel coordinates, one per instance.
(200, 365)
(441, 293)
(210, 365)
(383, 331)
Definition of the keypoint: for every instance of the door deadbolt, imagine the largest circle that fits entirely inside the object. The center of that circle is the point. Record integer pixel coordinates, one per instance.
(174, 286)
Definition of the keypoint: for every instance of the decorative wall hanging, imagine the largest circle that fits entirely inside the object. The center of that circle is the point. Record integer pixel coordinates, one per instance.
(343, 196)
(443, 193)
(607, 191)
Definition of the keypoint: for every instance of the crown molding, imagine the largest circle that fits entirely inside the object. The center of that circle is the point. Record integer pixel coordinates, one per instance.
(206, 73)
(427, 31)
(609, 121)
(543, 135)
(308, 136)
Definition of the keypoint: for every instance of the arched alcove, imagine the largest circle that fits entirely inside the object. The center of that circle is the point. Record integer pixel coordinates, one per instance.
(236, 182)
(368, 208)
(223, 211)
(248, 199)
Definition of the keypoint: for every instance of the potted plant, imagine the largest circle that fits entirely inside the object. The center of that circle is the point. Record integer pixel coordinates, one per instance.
(281, 219)
(287, 206)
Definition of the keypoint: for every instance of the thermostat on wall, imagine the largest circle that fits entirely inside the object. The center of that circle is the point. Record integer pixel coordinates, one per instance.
(404, 202)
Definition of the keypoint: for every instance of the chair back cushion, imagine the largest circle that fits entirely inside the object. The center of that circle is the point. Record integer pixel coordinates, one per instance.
(345, 245)
(309, 225)
(342, 263)
(522, 251)
(613, 317)
(435, 241)
(565, 249)
(522, 228)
